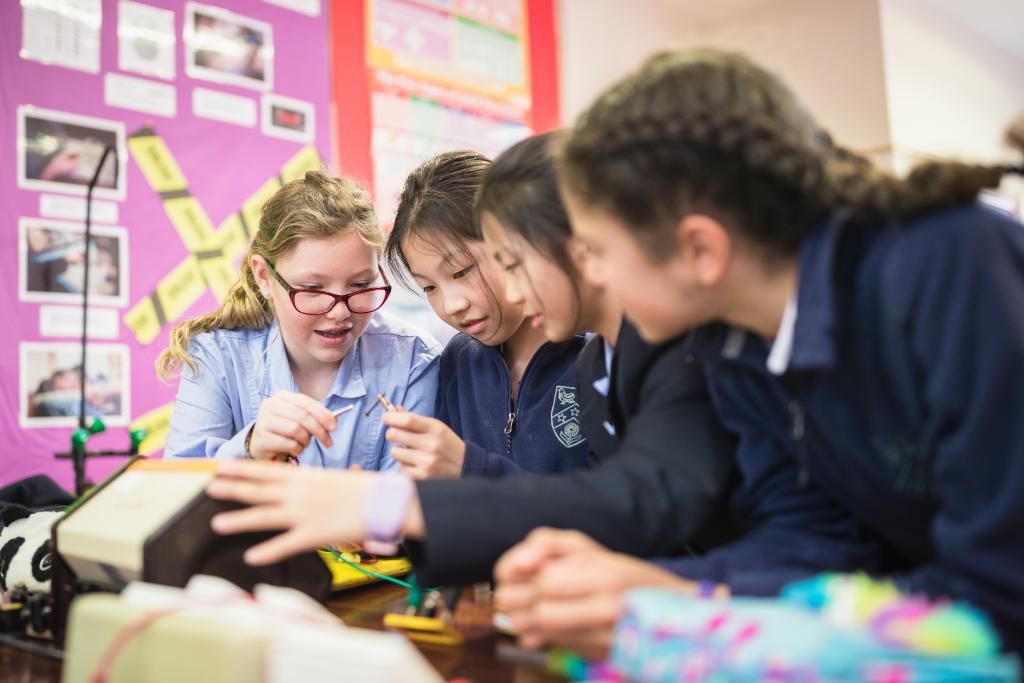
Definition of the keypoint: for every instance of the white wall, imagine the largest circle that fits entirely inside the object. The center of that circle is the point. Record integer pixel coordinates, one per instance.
(829, 52)
(895, 78)
(601, 40)
(950, 91)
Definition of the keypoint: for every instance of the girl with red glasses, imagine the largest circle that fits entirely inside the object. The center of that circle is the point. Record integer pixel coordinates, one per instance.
(299, 338)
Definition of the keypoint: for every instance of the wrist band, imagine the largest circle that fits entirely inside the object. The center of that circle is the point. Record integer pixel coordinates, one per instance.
(706, 589)
(387, 505)
(248, 441)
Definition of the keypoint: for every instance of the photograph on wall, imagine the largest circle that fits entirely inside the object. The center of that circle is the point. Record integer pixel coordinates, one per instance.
(59, 152)
(51, 263)
(287, 118)
(145, 39)
(225, 47)
(50, 387)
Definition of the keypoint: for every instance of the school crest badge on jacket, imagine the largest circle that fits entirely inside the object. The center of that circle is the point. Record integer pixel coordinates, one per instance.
(565, 417)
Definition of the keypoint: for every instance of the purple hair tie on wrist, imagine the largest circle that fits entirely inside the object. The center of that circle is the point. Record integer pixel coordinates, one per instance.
(706, 589)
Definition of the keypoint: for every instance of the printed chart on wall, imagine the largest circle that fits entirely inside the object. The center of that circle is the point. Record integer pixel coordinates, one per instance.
(444, 74)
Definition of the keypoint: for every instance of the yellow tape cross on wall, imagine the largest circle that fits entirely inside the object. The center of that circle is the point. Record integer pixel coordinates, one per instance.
(212, 252)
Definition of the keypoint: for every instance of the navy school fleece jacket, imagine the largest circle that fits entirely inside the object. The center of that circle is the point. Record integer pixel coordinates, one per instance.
(539, 432)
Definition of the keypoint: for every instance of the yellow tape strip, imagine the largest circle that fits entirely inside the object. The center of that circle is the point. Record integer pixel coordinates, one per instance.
(144, 320)
(190, 220)
(154, 159)
(306, 159)
(187, 215)
(218, 273)
(213, 252)
(180, 288)
(234, 239)
(157, 423)
(253, 206)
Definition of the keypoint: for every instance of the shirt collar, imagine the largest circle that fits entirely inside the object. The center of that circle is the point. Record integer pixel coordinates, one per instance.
(278, 373)
(808, 324)
(782, 348)
(609, 353)
(603, 384)
(349, 382)
(814, 344)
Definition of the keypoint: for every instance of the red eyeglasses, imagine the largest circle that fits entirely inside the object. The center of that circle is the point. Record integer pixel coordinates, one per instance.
(319, 302)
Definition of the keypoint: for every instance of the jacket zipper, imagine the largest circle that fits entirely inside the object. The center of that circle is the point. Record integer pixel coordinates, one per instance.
(797, 431)
(510, 422)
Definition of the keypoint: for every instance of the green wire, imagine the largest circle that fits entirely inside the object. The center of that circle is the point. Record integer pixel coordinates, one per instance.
(383, 577)
(415, 591)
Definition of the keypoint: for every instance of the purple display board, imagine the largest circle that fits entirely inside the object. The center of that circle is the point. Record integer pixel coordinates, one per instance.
(60, 101)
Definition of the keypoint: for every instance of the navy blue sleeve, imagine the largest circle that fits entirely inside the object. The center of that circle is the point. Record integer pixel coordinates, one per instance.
(763, 561)
(659, 494)
(967, 332)
(792, 528)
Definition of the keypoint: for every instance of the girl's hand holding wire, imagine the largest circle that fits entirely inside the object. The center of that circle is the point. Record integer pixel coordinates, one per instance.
(425, 447)
(285, 424)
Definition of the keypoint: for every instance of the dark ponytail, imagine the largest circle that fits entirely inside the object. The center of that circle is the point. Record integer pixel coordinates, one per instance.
(711, 132)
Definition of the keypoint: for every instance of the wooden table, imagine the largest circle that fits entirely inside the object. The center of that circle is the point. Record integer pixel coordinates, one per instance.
(476, 660)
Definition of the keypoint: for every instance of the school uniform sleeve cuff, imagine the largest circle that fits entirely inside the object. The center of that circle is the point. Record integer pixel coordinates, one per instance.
(761, 583)
(234, 448)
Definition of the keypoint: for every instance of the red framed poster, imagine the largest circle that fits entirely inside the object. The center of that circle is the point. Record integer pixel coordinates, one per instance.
(411, 78)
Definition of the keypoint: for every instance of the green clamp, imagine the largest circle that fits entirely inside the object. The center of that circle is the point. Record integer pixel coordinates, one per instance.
(79, 437)
(138, 436)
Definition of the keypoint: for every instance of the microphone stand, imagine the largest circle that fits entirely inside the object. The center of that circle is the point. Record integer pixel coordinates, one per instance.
(80, 437)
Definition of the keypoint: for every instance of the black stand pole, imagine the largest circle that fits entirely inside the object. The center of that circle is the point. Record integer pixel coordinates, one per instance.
(78, 445)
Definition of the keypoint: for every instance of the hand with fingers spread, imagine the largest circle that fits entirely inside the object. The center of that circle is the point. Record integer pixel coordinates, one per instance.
(425, 447)
(285, 424)
(562, 588)
(313, 507)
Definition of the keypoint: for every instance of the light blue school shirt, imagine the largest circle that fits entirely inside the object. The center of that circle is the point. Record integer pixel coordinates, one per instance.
(238, 369)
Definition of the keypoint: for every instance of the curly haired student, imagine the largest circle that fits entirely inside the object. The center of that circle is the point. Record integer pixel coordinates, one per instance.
(867, 326)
